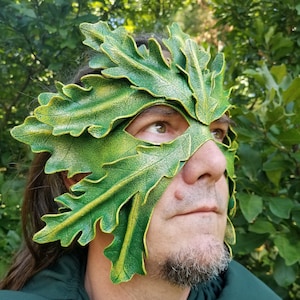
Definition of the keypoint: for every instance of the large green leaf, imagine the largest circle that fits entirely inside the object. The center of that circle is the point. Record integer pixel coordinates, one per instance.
(124, 252)
(96, 106)
(151, 73)
(150, 70)
(91, 206)
(68, 152)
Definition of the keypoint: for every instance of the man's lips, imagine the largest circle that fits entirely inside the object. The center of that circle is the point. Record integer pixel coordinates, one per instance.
(200, 210)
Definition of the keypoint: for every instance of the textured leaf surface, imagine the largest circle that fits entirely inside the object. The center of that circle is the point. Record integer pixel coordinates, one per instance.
(126, 251)
(150, 71)
(96, 106)
(212, 100)
(154, 74)
(69, 154)
(175, 43)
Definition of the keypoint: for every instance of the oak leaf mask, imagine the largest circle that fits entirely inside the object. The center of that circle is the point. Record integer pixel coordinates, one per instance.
(84, 129)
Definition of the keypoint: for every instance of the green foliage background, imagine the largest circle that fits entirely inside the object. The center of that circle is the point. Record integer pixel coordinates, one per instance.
(40, 41)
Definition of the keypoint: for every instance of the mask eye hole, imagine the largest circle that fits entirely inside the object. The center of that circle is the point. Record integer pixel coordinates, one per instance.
(158, 124)
(219, 128)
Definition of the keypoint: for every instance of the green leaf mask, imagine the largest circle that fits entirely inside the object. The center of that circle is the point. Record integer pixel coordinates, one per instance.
(83, 127)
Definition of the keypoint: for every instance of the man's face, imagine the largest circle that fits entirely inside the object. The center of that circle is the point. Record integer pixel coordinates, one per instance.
(189, 220)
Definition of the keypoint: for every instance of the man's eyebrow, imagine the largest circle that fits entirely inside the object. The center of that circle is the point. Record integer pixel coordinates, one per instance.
(163, 110)
(169, 111)
(225, 119)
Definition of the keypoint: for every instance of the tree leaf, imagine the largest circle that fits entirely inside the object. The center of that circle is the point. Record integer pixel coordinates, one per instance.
(279, 72)
(251, 206)
(281, 207)
(247, 242)
(289, 137)
(251, 159)
(262, 226)
(292, 93)
(283, 274)
(288, 248)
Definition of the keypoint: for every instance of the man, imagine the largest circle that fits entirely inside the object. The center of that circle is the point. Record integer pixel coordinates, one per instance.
(140, 165)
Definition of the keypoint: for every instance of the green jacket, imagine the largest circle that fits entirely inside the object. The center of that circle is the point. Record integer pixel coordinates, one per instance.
(65, 281)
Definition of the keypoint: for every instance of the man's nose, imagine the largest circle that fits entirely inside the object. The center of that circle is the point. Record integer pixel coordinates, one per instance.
(208, 161)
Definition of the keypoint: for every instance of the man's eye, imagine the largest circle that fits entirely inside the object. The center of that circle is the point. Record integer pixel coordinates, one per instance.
(158, 124)
(158, 127)
(218, 134)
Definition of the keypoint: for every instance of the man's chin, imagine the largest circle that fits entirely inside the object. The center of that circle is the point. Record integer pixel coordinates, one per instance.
(193, 265)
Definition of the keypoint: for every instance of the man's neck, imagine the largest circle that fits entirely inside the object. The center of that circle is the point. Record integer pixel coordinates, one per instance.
(99, 285)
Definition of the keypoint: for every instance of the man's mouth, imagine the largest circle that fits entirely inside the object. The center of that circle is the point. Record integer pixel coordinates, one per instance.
(200, 210)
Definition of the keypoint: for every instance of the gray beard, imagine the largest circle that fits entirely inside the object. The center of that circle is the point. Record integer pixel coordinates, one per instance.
(192, 267)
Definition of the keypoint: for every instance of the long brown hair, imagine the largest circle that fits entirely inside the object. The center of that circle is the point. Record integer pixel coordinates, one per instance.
(40, 191)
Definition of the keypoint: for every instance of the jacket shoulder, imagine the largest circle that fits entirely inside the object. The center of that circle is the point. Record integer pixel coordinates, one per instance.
(242, 284)
(62, 280)
(16, 295)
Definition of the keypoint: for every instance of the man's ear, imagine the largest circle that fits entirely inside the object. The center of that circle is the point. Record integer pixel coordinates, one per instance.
(69, 181)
